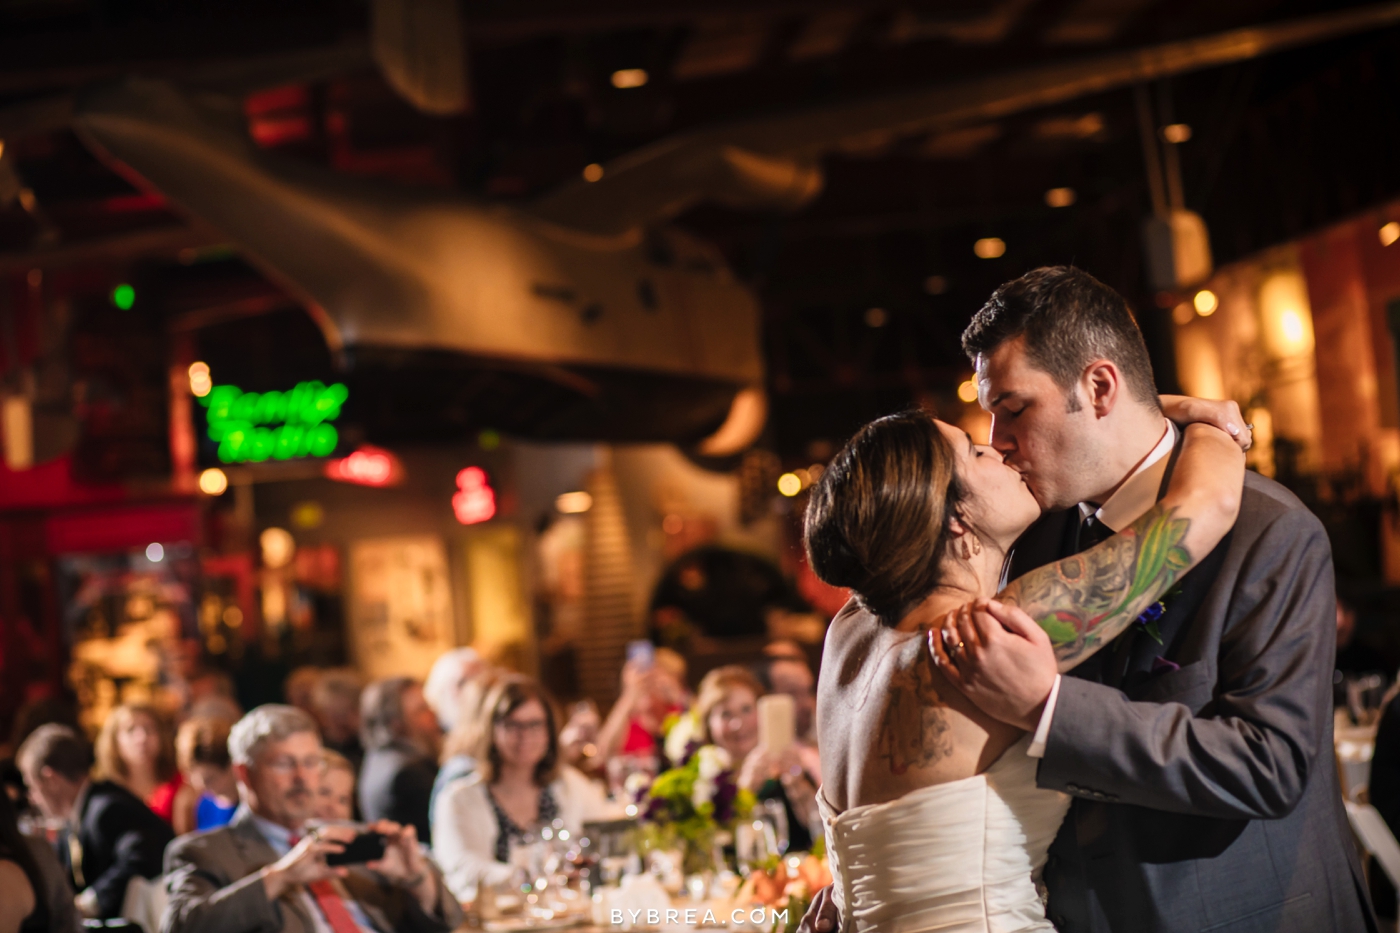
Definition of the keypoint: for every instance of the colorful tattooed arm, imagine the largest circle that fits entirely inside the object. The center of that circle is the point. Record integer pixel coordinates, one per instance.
(1085, 601)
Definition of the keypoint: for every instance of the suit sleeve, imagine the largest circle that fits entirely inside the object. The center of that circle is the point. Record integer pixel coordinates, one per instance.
(138, 845)
(1249, 752)
(203, 901)
(410, 791)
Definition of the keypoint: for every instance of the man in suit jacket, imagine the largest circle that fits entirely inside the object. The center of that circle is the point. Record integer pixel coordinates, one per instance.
(1198, 747)
(109, 835)
(401, 739)
(266, 871)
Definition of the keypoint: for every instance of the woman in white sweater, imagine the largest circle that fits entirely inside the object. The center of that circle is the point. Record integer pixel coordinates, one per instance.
(518, 787)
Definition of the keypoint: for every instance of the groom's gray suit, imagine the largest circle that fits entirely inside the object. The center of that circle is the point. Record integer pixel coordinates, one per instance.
(1202, 769)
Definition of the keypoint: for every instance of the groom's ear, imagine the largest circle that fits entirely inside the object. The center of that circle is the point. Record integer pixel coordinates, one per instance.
(1102, 385)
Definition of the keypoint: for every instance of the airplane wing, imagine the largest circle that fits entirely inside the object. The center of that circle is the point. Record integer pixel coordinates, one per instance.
(770, 162)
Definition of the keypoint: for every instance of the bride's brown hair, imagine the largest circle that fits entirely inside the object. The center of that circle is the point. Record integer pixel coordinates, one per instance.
(878, 519)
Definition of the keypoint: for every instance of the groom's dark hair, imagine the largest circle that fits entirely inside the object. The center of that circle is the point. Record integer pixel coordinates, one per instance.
(1068, 319)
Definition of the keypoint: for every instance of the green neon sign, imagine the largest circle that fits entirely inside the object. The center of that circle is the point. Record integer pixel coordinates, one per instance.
(257, 426)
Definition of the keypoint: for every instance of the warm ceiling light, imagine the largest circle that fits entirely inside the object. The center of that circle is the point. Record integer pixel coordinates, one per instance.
(278, 546)
(991, 247)
(629, 77)
(213, 482)
(876, 317)
(967, 390)
(789, 484)
(1060, 197)
(1183, 313)
(592, 172)
(1176, 132)
(1205, 302)
(200, 381)
(573, 503)
(1390, 233)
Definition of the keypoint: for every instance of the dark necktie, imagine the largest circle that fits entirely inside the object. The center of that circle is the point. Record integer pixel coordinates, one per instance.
(1092, 532)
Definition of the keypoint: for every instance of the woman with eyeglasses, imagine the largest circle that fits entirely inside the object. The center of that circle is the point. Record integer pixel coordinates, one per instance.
(726, 709)
(519, 787)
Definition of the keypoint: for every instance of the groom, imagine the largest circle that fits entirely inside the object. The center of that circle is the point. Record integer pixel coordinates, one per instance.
(1198, 749)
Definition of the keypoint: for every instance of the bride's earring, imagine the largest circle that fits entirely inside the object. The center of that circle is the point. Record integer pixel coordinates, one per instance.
(973, 548)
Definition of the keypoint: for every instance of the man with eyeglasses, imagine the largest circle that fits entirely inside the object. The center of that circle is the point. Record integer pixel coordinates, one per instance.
(267, 870)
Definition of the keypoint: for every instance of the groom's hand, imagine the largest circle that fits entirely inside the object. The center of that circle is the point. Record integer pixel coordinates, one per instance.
(999, 658)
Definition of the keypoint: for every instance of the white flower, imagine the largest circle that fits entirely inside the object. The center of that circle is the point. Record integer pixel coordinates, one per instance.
(712, 761)
(680, 736)
(703, 793)
(636, 784)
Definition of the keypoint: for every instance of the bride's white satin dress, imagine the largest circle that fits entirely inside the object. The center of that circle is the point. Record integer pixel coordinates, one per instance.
(962, 857)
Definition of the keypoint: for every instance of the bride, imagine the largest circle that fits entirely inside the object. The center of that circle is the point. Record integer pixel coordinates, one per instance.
(933, 817)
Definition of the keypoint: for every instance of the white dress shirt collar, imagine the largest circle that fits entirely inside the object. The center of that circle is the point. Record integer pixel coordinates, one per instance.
(1139, 492)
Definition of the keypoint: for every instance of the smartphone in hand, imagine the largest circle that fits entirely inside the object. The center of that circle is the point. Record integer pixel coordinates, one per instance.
(366, 847)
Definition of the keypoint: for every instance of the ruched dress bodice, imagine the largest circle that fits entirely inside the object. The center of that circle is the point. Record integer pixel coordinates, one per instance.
(961, 857)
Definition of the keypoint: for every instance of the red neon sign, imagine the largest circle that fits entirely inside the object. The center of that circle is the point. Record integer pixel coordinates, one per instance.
(367, 466)
(475, 500)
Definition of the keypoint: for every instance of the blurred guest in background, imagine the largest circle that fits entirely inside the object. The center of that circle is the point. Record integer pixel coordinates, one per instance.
(109, 836)
(299, 686)
(518, 787)
(402, 738)
(36, 712)
(37, 897)
(1383, 789)
(459, 748)
(726, 708)
(210, 794)
(335, 702)
(784, 669)
(450, 674)
(260, 873)
(335, 797)
(137, 750)
(652, 689)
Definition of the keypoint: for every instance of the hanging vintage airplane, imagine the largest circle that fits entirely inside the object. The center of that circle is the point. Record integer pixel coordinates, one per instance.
(637, 329)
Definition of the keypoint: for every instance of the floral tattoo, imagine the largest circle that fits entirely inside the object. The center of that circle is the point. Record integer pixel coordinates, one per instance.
(1085, 601)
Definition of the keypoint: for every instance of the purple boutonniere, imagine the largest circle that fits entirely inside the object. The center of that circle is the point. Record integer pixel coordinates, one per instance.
(1147, 622)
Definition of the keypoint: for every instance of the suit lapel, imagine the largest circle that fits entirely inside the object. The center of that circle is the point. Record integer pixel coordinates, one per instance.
(256, 855)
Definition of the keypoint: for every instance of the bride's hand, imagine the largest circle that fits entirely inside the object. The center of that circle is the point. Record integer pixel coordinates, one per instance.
(1225, 415)
(999, 658)
(822, 915)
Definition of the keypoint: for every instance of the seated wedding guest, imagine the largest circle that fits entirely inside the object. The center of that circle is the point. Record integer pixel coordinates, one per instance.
(210, 794)
(726, 708)
(260, 873)
(335, 797)
(37, 897)
(401, 738)
(136, 750)
(459, 747)
(299, 686)
(335, 702)
(109, 836)
(651, 691)
(784, 669)
(450, 674)
(518, 787)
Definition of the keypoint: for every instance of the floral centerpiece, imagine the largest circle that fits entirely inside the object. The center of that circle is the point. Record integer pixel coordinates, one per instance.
(690, 804)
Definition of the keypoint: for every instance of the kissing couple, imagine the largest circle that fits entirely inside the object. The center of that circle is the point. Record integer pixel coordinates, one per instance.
(1085, 675)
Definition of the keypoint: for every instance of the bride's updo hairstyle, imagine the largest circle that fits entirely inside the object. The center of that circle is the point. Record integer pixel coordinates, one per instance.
(877, 520)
